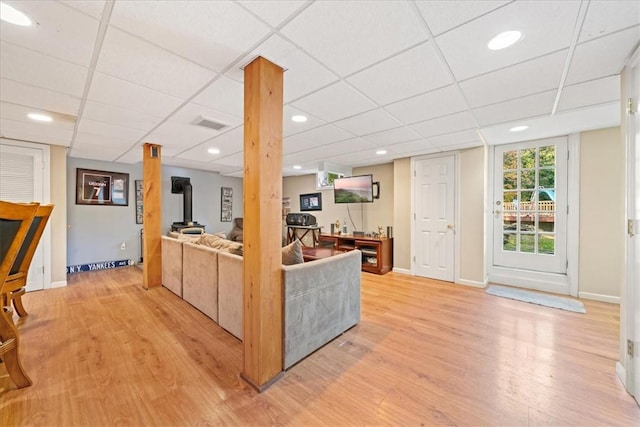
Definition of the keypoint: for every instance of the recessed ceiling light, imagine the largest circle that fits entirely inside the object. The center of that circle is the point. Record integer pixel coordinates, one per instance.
(39, 117)
(518, 128)
(297, 167)
(213, 151)
(381, 152)
(13, 16)
(299, 118)
(503, 40)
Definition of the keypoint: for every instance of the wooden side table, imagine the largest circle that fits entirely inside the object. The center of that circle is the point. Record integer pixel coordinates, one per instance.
(299, 231)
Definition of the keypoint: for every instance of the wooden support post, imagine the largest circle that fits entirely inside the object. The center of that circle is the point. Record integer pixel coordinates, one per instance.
(263, 354)
(152, 216)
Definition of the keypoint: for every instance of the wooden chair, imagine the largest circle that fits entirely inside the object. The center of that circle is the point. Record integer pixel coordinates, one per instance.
(15, 221)
(17, 280)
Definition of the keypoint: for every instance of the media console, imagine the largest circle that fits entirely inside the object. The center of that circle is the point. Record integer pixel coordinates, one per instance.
(377, 253)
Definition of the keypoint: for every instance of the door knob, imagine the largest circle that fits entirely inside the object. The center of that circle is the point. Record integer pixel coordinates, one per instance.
(450, 226)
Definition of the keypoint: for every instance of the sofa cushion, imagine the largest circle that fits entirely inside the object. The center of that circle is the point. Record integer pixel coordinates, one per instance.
(236, 233)
(221, 244)
(292, 253)
(184, 237)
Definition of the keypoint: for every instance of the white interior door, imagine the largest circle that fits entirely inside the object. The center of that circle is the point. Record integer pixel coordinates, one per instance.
(434, 198)
(21, 180)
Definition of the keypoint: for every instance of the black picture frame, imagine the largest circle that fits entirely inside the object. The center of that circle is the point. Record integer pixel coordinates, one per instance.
(103, 188)
(311, 202)
(139, 198)
(226, 204)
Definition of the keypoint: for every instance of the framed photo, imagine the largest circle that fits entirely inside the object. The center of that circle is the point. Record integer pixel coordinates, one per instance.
(139, 195)
(226, 204)
(311, 202)
(95, 187)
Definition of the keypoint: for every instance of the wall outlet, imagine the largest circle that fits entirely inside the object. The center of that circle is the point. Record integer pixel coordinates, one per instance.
(123, 246)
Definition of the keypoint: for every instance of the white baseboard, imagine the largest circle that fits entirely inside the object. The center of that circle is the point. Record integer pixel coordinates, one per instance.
(401, 271)
(473, 283)
(599, 297)
(59, 284)
(621, 373)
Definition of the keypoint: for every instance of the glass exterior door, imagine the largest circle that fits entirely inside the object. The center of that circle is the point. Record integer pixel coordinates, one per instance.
(530, 207)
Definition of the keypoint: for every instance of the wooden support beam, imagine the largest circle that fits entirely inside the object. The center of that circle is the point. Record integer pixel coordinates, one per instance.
(263, 83)
(152, 216)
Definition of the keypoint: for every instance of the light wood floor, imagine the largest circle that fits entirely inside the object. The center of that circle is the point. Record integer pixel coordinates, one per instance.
(103, 351)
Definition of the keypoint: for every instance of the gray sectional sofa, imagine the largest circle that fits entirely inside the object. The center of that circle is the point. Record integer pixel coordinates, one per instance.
(321, 298)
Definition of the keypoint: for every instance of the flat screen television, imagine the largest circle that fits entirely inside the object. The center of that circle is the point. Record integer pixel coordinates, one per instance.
(353, 189)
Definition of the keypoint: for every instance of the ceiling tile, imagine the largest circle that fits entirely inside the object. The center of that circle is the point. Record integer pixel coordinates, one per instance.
(37, 69)
(602, 57)
(213, 34)
(179, 135)
(223, 95)
(590, 93)
(289, 127)
(20, 93)
(191, 113)
(516, 109)
(334, 102)
(228, 143)
(348, 36)
(60, 32)
(120, 93)
(414, 71)
(392, 136)
(466, 138)
(523, 79)
(19, 113)
(319, 153)
(108, 130)
(119, 116)
(445, 15)
(303, 74)
(441, 125)
(557, 18)
(369, 122)
(417, 145)
(605, 17)
(235, 159)
(129, 58)
(99, 141)
(429, 105)
(106, 154)
(35, 132)
(90, 7)
(317, 137)
(273, 12)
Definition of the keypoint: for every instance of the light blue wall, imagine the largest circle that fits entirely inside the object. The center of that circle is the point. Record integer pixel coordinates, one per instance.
(95, 233)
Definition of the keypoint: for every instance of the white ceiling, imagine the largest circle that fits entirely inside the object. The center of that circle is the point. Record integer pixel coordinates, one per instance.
(410, 77)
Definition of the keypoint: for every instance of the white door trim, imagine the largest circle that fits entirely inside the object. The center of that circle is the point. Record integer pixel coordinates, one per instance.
(46, 198)
(630, 318)
(540, 281)
(456, 213)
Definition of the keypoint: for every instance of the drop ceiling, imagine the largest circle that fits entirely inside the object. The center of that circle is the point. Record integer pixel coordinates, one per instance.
(409, 77)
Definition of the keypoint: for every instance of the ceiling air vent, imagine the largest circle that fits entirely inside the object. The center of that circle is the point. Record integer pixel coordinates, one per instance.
(211, 124)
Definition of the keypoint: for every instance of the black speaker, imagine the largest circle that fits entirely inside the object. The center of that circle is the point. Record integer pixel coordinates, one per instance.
(302, 219)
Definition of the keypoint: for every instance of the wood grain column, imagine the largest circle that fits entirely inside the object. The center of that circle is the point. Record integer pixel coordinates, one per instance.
(263, 83)
(152, 216)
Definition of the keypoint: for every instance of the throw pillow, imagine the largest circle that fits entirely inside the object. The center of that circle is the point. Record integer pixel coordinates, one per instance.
(217, 242)
(292, 253)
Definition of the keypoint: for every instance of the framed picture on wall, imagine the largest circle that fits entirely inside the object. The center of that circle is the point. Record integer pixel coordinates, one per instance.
(226, 204)
(94, 187)
(139, 194)
(311, 202)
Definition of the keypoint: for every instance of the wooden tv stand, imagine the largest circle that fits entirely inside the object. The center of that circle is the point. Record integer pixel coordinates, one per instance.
(377, 253)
